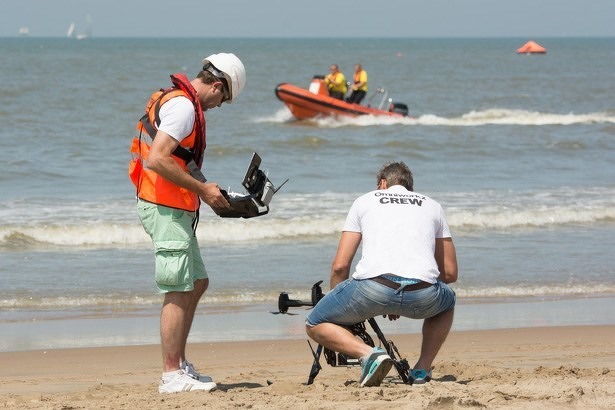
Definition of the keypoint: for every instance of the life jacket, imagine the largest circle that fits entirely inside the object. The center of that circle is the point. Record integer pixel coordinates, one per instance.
(339, 79)
(361, 75)
(150, 186)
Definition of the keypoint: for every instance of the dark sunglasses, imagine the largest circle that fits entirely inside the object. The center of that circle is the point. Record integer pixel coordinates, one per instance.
(220, 76)
(227, 95)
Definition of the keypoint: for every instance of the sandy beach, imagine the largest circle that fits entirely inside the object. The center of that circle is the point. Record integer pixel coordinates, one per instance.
(548, 367)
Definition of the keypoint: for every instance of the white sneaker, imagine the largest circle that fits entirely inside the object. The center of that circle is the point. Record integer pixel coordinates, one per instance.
(189, 369)
(182, 382)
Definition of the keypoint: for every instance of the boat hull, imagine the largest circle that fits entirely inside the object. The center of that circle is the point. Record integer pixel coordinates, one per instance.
(305, 104)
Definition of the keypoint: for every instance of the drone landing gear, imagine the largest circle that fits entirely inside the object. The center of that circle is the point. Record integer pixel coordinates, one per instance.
(339, 359)
(358, 329)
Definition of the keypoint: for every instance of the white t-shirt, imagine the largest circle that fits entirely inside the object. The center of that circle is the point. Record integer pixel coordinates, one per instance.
(177, 117)
(399, 230)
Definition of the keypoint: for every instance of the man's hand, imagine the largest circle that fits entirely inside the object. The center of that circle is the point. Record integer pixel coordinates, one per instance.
(211, 195)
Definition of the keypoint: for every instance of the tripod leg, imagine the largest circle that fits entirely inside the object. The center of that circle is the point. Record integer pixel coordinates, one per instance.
(381, 337)
(316, 365)
(401, 365)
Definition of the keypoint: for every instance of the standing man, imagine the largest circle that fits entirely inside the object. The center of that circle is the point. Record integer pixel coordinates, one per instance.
(408, 257)
(336, 83)
(359, 85)
(167, 158)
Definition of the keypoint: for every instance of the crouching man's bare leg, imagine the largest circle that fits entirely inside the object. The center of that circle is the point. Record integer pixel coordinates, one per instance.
(435, 331)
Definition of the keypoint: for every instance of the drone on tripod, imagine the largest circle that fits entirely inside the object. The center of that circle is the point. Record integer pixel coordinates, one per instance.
(358, 329)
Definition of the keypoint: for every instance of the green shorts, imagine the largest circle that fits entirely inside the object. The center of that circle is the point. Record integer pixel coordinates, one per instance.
(178, 257)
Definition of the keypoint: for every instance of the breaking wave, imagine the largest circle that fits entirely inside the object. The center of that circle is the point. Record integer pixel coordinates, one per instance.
(109, 304)
(493, 116)
(114, 224)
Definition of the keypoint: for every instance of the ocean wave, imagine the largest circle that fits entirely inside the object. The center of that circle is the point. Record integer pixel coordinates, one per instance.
(86, 304)
(504, 217)
(279, 229)
(474, 118)
(84, 301)
(115, 224)
(497, 116)
(13, 238)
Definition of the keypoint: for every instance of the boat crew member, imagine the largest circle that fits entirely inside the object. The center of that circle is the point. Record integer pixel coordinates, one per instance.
(336, 83)
(359, 85)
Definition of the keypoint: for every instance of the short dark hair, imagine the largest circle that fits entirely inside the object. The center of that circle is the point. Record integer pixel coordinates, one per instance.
(207, 77)
(396, 173)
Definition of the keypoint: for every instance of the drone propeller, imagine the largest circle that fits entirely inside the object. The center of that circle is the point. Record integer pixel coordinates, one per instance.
(284, 302)
(283, 313)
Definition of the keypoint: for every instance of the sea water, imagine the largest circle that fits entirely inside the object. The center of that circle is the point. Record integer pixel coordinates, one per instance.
(519, 150)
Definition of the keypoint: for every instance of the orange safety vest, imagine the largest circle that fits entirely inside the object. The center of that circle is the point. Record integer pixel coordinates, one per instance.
(150, 186)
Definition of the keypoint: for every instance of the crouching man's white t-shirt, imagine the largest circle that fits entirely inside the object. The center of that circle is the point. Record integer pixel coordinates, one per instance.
(399, 230)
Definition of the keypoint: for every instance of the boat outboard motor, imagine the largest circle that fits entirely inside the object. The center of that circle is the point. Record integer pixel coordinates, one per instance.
(256, 201)
(399, 108)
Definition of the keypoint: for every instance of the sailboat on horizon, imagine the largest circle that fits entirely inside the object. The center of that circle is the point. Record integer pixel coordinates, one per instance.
(71, 30)
(80, 36)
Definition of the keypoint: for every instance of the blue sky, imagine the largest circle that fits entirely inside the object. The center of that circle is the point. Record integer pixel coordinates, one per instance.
(312, 18)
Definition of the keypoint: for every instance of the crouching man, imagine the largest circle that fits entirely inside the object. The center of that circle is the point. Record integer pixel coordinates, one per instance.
(407, 260)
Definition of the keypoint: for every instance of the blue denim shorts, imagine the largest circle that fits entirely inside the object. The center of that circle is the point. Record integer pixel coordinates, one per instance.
(354, 301)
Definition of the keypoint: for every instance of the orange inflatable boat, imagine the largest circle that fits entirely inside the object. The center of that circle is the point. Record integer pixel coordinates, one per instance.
(315, 101)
